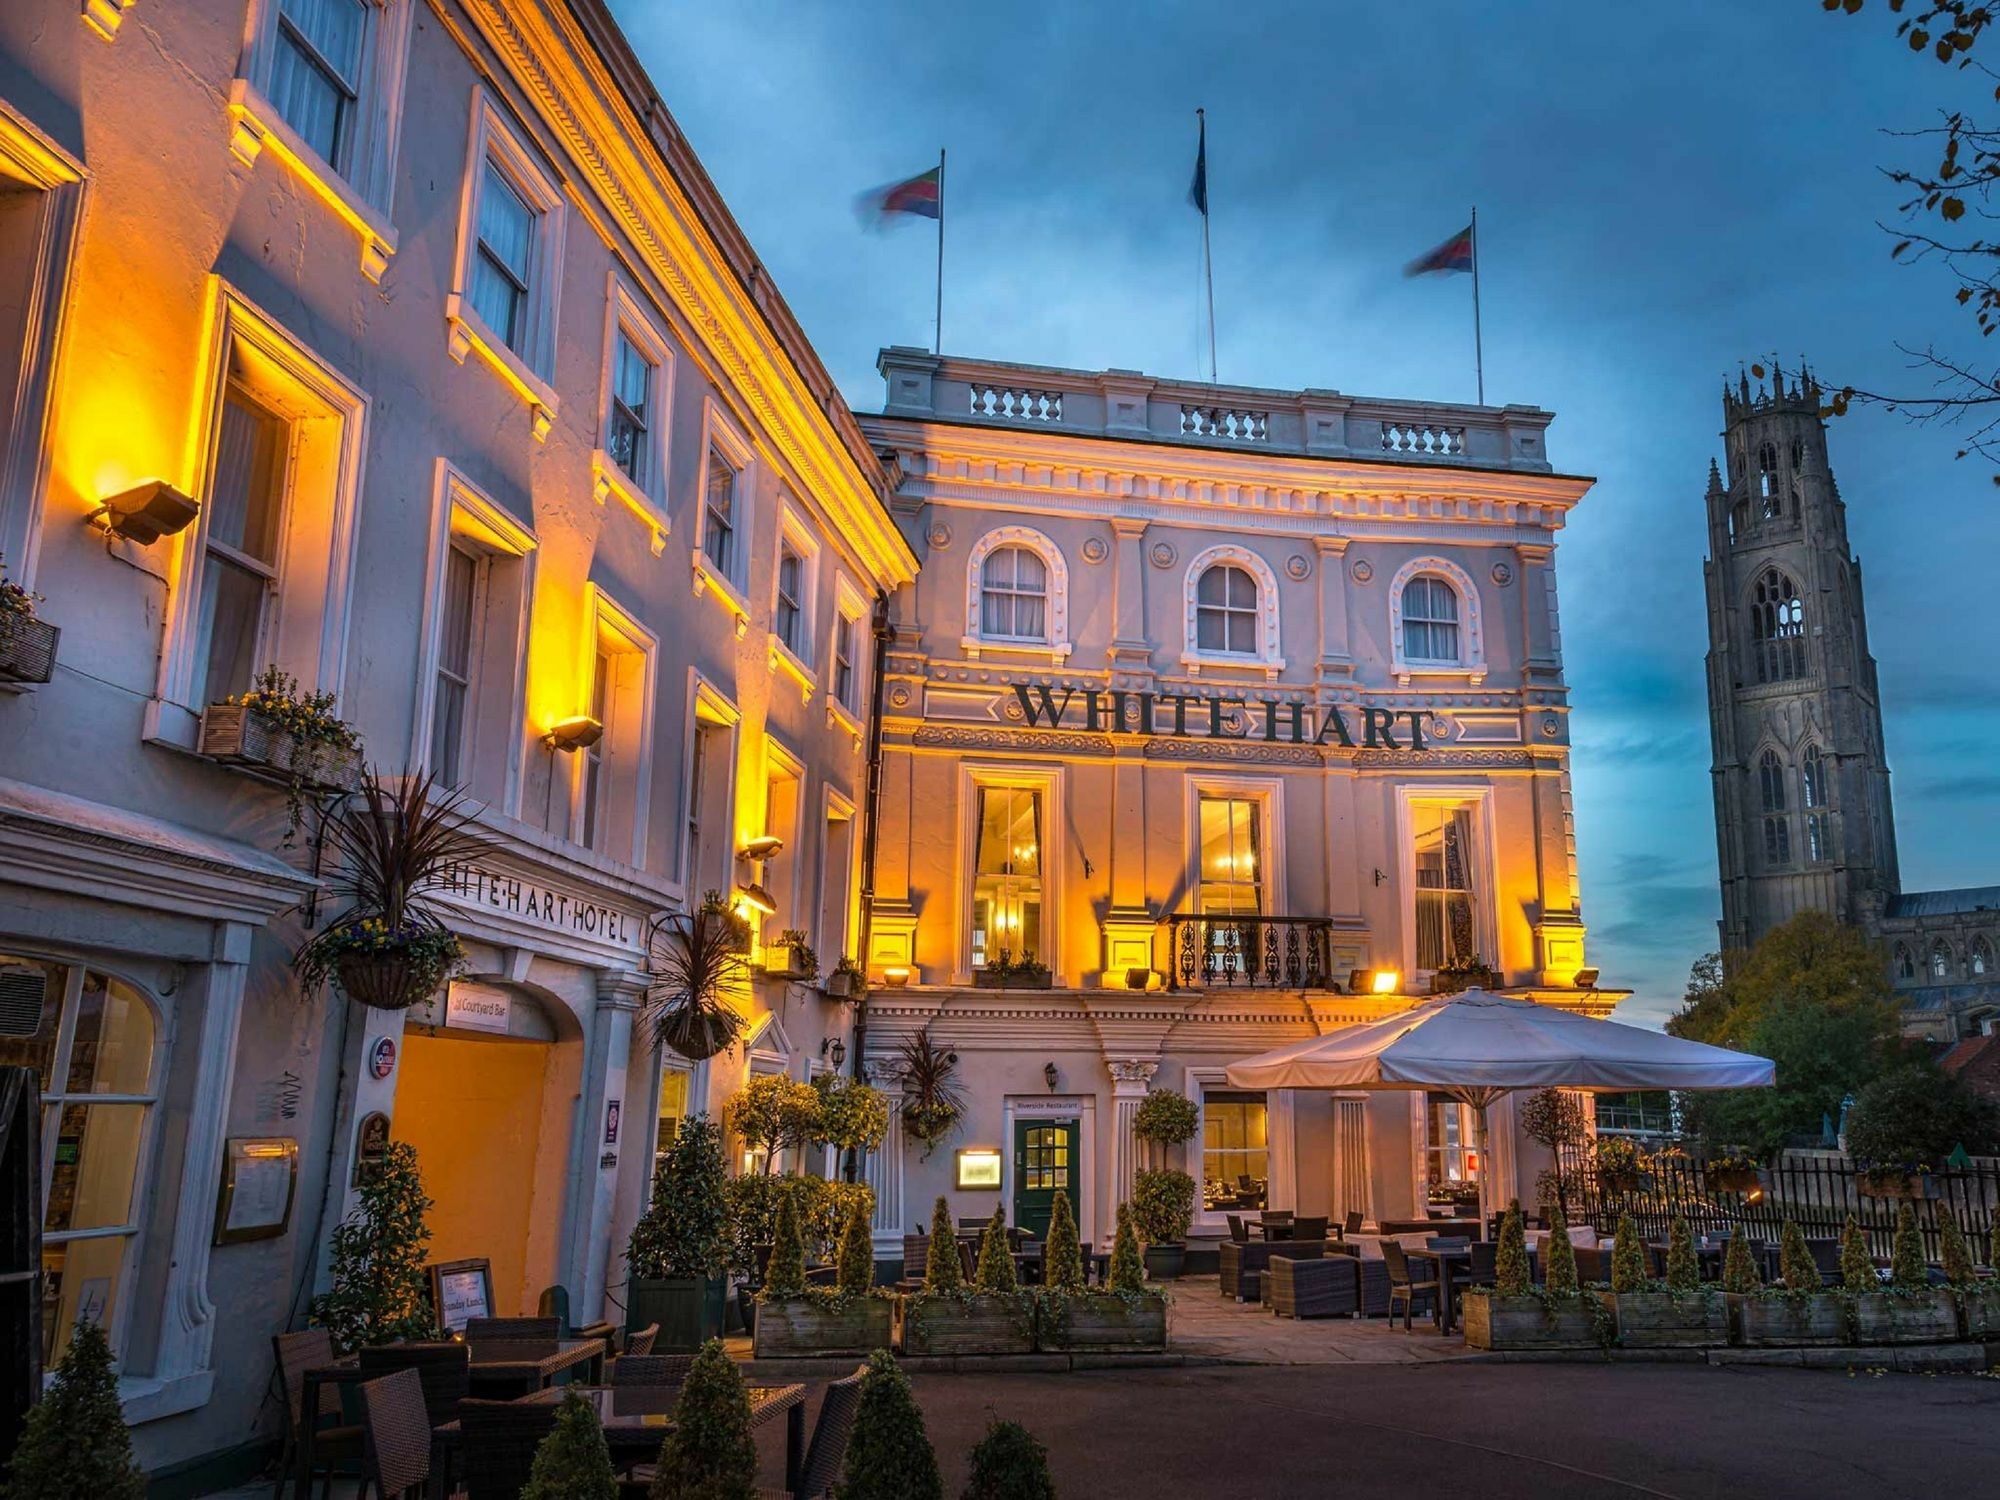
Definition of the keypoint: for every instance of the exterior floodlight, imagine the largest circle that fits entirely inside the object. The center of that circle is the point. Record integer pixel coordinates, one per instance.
(1373, 982)
(764, 846)
(757, 898)
(578, 732)
(147, 512)
(895, 976)
(1586, 979)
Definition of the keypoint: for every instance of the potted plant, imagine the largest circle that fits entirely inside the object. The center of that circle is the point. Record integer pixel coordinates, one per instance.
(709, 1450)
(1978, 1301)
(1732, 1173)
(1907, 1309)
(692, 962)
(1070, 1318)
(390, 948)
(773, 1114)
(1676, 1314)
(846, 982)
(853, 1117)
(27, 642)
(993, 1316)
(1166, 1117)
(380, 1290)
(733, 923)
(852, 1317)
(1906, 1181)
(1009, 1463)
(1555, 1118)
(933, 1102)
(675, 1261)
(1162, 1213)
(793, 958)
(889, 1457)
(1514, 1313)
(1469, 972)
(1002, 971)
(292, 736)
(573, 1462)
(1617, 1161)
(74, 1444)
(1797, 1311)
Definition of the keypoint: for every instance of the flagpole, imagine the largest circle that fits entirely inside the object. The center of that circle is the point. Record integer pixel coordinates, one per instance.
(1207, 259)
(937, 328)
(1478, 342)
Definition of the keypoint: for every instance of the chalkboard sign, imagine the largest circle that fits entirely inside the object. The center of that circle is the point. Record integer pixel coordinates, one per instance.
(461, 1290)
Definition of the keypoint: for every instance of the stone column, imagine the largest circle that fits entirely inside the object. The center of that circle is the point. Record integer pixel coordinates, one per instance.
(1538, 608)
(594, 1171)
(883, 1169)
(1281, 1133)
(1130, 1077)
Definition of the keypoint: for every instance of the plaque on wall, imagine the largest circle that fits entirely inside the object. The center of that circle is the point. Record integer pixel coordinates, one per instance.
(260, 1176)
(371, 1148)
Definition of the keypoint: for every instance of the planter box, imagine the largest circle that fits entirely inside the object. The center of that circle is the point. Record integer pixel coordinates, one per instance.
(983, 979)
(688, 1309)
(1660, 1320)
(1165, 1262)
(239, 736)
(1101, 1322)
(1786, 1320)
(841, 986)
(982, 1323)
(1894, 1185)
(806, 1326)
(1979, 1309)
(1927, 1317)
(1496, 1322)
(27, 647)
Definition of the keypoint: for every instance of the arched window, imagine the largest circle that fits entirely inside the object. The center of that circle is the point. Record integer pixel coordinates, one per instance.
(1906, 966)
(1767, 482)
(1778, 628)
(1812, 778)
(1013, 596)
(1016, 594)
(1771, 781)
(1980, 960)
(1739, 519)
(1225, 611)
(1430, 620)
(1777, 842)
(1940, 961)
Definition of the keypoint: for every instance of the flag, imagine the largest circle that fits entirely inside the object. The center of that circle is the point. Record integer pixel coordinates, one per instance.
(922, 195)
(1198, 189)
(1455, 254)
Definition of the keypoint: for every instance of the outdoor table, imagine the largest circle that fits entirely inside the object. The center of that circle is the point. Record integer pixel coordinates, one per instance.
(1447, 1262)
(506, 1368)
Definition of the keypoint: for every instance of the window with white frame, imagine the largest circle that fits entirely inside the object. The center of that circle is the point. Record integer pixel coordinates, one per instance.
(316, 71)
(638, 376)
(458, 625)
(628, 434)
(1435, 623)
(1230, 618)
(593, 822)
(723, 527)
(92, 1041)
(1231, 875)
(1013, 596)
(510, 261)
(1446, 864)
(708, 817)
(836, 880)
(1016, 594)
(1226, 611)
(1007, 880)
(795, 597)
(613, 776)
(241, 541)
(846, 667)
(1430, 620)
(784, 795)
(844, 676)
(676, 1089)
(718, 498)
(1235, 1150)
(1451, 1156)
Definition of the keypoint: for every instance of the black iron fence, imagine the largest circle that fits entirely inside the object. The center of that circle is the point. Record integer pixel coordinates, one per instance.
(1289, 953)
(1818, 1191)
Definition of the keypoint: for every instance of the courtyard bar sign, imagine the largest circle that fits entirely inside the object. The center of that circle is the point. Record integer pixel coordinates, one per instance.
(1220, 717)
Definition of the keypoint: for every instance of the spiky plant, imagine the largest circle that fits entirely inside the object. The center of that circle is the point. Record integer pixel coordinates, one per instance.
(691, 959)
(1683, 1269)
(1559, 1258)
(1796, 1267)
(1628, 1258)
(1953, 1252)
(1739, 1266)
(1128, 1270)
(710, 1454)
(1510, 1258)
(942, 1272)
(889, 1456)
(1857, 1266)
(857, 1252)
(1906, 1251)
(1009, 1463)
(785, 1275)
(573, 1461)
(996, 1257)
(1062, 1259)
(74, 1444)
(933, 1100)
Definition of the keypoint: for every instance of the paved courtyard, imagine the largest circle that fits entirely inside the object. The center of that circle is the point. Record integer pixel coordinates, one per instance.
(1202, 1323)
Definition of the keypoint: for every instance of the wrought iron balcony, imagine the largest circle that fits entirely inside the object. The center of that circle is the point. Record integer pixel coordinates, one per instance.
(1285, 953)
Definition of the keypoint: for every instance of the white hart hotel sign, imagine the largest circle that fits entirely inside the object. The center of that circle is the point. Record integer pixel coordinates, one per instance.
(1220, 717)
(532, 902)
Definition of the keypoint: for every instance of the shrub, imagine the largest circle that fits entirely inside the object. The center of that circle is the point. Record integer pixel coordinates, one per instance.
(824, 1208)
(1906, 1251)
(709, 1455)
(1062, 1258)
(785, 1275)
(381, 1290)
(1128, 1271)
(889, 1456)
(857, 1253)
(1683, 1270)
(684, 1230)
(1166, 1117)
(1915, 1114)
(1559, 1259)
(1739, 1266)
(852, 1116)
(74, 1445)
(573, 1462)
(1009, 1464)
(1857, 1266)
(1162, 1205)
(774, 1113)
(1953, 1252)
(1510, 1258)
(1796, 1267)
(1993, 1246)
(996, 1256)
(942, 1272)
(1628, 1258)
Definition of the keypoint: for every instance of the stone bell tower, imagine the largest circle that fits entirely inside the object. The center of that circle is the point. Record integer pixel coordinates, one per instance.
(1802, 812)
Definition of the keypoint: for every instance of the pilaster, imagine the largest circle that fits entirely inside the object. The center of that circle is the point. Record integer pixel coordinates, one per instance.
(594, 1161)
(883, 1169)
(1336, 662)
(1130, 650)
(1130, 1079)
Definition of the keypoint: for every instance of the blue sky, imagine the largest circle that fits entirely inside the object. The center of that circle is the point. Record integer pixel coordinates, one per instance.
(1664, 192)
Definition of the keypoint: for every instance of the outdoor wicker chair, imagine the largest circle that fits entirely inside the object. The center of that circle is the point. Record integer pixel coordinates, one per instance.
(398, 1428)
(444, 1368)
(1241, 1265)
(1239, 1232)
(832, 1428)
(1402, 1288)
(1316, 1288)
(641, 1340)
(657, 1371)
(1485, 1268)
(1355, 1219)
(336, 1449)
(497, 1443)
(513, 1328)
(1309, 1229)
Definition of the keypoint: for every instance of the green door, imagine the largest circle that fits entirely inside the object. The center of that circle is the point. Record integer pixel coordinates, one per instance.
(1044, 1161)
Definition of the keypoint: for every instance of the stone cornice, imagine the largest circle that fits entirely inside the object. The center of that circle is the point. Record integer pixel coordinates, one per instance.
(567, 77)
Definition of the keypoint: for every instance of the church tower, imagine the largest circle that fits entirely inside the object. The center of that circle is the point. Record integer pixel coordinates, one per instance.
(1802, 814)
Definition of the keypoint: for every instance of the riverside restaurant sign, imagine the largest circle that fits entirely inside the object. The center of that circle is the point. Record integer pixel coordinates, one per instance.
(1096, 711)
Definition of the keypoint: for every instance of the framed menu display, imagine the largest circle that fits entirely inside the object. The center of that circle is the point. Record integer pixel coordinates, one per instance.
(260, 1177)
(461, 1290)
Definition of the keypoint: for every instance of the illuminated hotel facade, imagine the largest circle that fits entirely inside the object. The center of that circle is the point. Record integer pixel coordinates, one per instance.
(493, 419)
(1242, 712)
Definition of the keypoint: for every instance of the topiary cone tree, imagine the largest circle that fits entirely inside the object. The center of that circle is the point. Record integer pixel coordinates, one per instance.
(1559, 1258)
(996, 1257)
(785, 1275)
(1062, 1259)
(942, 1272)
(1510, 1257)
(1128, 1271)
(709, 1455)
(1739, 1266)
(1796, 1267)
(1906, 1251)
(74, 1445)
(380, 1285)
(889, 1456)
(1953, 1252)
(1009, 1464)
(1628, 1258)
(1683, 1268)
(573, 1462)
(857, 1253)
(1857, 1266)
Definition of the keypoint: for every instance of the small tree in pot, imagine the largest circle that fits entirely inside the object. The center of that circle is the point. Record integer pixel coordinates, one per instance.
(675, 1261)
(1162, 1213)
(1796, 1311)
(1071, 1318)
(993, 1316)
(1908, 1310)
(1677, 1315)
(380, 1291)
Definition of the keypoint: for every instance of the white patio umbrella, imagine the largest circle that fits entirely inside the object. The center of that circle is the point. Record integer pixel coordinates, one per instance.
(1477, 1046)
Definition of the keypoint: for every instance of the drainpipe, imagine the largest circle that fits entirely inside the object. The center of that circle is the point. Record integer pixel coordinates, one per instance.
(871, 808)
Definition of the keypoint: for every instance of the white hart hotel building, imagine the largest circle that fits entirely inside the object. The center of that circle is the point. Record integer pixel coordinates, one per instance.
(1207, 698)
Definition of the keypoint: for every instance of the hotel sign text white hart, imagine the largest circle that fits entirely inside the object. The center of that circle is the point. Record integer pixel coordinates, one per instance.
(526, 899)
(1221, 717)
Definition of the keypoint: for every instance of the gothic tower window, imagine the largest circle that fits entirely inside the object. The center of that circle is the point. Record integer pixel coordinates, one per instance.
(1778, 624)
(1940, 962)
(1981, 960)
(1767, 482)
(1771, 786)
(1906, 966)
(1812, 792)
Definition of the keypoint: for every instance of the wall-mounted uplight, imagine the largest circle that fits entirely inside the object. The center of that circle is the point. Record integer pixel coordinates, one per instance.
(147, 512)
(756, 898)
(1373, 982)
(1051, 1075)
(578, 732)
(1585, 979)
(764, 846)
(895, 976)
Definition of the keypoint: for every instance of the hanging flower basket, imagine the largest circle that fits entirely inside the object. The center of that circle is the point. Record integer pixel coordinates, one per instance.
(27, 647)
(391, 970)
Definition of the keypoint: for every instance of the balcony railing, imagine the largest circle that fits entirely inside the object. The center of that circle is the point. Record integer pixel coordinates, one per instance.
(1284, 953)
